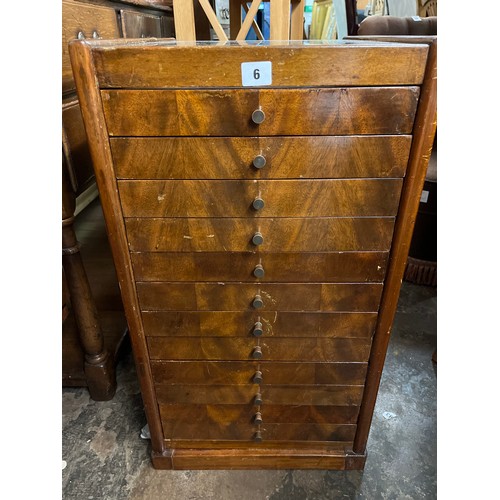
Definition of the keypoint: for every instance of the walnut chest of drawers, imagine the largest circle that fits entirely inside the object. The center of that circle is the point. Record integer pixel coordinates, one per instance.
(259, 234)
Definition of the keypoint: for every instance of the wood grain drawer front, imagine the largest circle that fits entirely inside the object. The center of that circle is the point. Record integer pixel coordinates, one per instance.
(263, 235)
(326, 395)
(272, 324)
(228, 112)
(273, 349)
(139, 25)
(282, 198)
(273, 297)
(188, 414)
(89, 20)
(236, 429)
(285, 157)
(205, 422)
(243, 372)
(342, 267)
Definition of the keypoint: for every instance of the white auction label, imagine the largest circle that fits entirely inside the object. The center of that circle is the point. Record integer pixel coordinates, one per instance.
(255, 74)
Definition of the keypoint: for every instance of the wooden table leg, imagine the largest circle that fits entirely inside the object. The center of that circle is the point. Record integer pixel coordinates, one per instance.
(99, 365)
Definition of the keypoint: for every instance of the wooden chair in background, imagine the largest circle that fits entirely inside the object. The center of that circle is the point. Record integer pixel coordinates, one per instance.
(379, 8)
(286, 23)
(427, 8)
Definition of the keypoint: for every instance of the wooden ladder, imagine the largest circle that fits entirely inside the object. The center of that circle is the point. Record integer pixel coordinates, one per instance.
(286, 23)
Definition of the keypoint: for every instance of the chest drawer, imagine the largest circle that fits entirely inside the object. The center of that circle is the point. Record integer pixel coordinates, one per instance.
(283, 198)
(326, 395)
(275, 157)
(259, 297)
(229, 112)
(244, 372)
(341, 267)
(271, 349)
(245, 431)
(259, 234)
(90, 21)
(258, 323)
(238, 422)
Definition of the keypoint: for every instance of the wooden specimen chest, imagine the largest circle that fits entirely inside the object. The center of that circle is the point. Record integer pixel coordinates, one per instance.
(259, 234)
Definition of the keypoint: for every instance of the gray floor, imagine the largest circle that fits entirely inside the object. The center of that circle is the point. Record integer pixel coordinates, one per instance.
(106, 458)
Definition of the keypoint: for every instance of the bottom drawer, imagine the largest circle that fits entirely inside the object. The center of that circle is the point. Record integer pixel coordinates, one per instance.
(238, 422)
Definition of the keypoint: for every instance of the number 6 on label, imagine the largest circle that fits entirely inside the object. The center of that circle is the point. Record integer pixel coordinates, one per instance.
(256, 73)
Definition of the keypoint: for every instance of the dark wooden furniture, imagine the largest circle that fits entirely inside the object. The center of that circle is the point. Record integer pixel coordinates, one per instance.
(260, 236)
(93, 325)
(421, 266)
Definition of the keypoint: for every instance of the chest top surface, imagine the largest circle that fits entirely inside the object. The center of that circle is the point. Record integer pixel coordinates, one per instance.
(166, 64)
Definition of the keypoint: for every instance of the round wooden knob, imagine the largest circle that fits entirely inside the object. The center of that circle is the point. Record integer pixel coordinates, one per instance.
(257, 378)
(258, 271)
(257, 329)
(257, 437)
(257, 239)
(258, 399)
(259, 161)
(257, 352)
(258, 203)
(258, 116)
(257, 302)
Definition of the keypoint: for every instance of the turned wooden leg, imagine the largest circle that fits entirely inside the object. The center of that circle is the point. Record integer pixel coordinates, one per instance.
(99, 365)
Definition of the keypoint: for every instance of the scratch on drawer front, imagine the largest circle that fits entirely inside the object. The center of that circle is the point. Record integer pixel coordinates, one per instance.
(268, 296)
(132, 75)
(188, 237)
(161, 197)
(269, 329)
(269, 326)
(210, 235)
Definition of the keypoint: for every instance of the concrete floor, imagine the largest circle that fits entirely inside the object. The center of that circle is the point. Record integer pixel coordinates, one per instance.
(106, 458)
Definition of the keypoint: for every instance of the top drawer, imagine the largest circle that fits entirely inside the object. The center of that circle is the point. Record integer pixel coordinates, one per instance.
(91, 21)
(258, 112)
